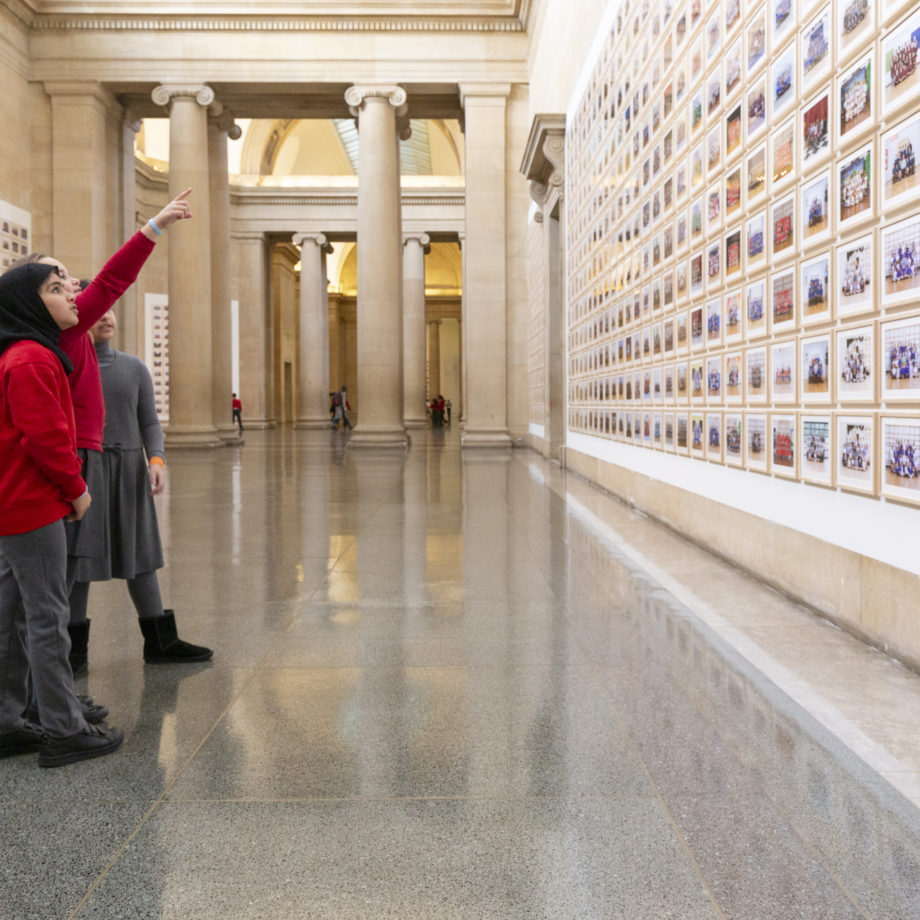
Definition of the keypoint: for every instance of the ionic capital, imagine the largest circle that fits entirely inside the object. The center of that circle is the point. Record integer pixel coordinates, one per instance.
(166, 92)
(423, 240)
(318, 239)
(223, 119)
(358, 94)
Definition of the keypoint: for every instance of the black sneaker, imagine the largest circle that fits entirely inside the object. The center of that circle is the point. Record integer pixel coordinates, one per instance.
(92, 712)
(93, 741)
(26, 740)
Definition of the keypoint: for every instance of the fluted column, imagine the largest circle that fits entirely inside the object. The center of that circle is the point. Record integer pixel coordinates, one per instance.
(313, 371)
(379, 398)
(484, 268)
(415, 247)
(221, 126)
(434, 358)
(191, 410)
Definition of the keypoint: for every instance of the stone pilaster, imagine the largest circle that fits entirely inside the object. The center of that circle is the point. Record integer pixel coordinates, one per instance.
(313, 357)
(191, 409)
(221, 126)
(128, 334)
(378, 403)
(434, 358)
(544, 166)
(415, 248)
(484, 267)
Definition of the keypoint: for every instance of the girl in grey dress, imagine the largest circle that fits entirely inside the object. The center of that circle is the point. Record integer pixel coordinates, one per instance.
(133, 472)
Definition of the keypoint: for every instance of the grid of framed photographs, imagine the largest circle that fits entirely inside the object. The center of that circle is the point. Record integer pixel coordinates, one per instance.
(743, 236)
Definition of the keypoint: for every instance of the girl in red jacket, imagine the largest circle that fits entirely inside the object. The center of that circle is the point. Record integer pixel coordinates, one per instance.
(40, 486)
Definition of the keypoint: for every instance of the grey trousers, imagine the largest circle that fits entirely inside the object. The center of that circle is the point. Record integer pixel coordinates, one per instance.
(34, 613)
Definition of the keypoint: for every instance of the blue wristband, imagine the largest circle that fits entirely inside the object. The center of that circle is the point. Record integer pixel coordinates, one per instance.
(156, 229)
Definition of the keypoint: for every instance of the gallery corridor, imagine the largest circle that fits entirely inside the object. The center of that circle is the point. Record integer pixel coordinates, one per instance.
(464, 685)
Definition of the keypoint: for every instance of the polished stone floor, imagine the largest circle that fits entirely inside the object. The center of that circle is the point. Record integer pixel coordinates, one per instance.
(461, 685)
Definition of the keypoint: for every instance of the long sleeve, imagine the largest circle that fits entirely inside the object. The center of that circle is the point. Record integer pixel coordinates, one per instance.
(147, 420)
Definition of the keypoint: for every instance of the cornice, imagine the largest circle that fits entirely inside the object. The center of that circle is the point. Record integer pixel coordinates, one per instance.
(300, 198)
(82, 23)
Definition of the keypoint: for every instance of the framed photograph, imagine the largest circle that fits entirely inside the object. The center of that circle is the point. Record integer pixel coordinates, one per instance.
(782, 301)
(667, 424)
(756, 101)
(680, 134)
(815, 289)
(900, 271)
(732, 14)
(756, 455)
(681, 234)
(756, 308)
(714, 380)
(682, 382)
(713, 93)
(782, 81)
(733, 311)
(854, 173)
(900, 458)
(755, 360)
(900, 60)
(696, 166)
(713, 36)
(756, 39)
(714, 322)
(783, 441)
(855, 24)
(733, 253)
(668, 384)
(656, 385)
(696, 274)
(713, 265)
(713, 150)
(815, 130)
(783, 372)
(783, 153)
(683, 429)
(900, 355)
(696, 60)
(855, 293)
(713, 207)
(855, 376)
(697, 385)
(680, 179)
(816, 48)
(782, 226)
(734, 434)
(855, 98)
(733, 132)
(697, 435)
(756, 239)
(816, 373)
(815, 438)
(697, 337)
(900, 144)
(733, 378)
(714, 436)
(782, 20)
(855, 451)
(681, 282)
(733, 193)
(667, 286)
(816, 224)
(757, 175)
(733, 68)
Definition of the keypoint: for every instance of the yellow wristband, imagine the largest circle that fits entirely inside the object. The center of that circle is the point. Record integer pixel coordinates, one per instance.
(159, 461)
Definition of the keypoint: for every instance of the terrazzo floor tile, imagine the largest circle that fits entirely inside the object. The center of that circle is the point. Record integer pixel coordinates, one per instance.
(589, 859)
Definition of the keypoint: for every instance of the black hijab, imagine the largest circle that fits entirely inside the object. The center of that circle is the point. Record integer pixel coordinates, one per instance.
(23, 314)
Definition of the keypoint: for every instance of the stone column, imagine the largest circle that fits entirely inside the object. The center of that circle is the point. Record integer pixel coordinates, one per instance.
(191, 410)
(434, 358)
(131, 311)
(221, 126)
(250, 267)
(484, 269)
(379, 400)
(313, 357)
(415, 248)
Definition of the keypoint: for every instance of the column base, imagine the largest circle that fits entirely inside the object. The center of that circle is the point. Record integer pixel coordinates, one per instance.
(181, 438)
(419, 422)
(229, 435)
(314, 423)
(390, 438)
(497, 437)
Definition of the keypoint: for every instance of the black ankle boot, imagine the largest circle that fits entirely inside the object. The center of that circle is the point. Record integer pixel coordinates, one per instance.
(162, 644)
(79, 645)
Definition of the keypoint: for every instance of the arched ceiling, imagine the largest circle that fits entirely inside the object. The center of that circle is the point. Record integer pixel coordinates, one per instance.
(443, 270)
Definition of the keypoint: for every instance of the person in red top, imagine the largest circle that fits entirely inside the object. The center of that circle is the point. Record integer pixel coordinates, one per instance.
(40, 486)
(237, 406)
(85, 544)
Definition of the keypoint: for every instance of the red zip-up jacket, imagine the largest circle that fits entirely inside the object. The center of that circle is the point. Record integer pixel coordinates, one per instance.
(117, 275)
(39, 467)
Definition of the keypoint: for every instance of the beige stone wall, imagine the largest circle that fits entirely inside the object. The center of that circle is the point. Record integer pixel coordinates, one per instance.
(15, 145)
(876, 602)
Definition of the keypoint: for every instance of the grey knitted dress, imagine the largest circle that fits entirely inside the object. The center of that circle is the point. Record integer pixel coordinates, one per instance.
(132, 434)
